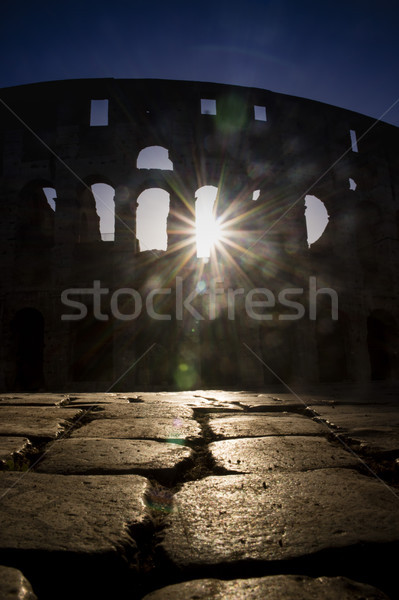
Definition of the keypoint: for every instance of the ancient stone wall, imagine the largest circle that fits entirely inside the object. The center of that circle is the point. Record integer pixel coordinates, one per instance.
(264, 152)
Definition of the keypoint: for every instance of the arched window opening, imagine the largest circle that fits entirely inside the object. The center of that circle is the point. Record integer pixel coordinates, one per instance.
(316, 216)
(207, 229)
(151, 219)
(28, 330)
(105, 207)
(154, 157)
(51, 196)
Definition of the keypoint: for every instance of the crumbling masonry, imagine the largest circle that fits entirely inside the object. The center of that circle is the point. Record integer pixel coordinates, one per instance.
(264, 152)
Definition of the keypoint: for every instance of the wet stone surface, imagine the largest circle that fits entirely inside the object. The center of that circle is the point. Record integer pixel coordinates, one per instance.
(152, 428)
(41, 422)
(117, 495)
(277, 587)
(104, 456)
(374, 426)
(261, 424)
(87, 514)
(277, 516)
(34, 400)
(284, 453)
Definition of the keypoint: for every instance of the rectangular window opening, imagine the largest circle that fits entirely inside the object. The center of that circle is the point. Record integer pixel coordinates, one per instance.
(208, 107)
(353, 140)
(260, 113)
(99, 113)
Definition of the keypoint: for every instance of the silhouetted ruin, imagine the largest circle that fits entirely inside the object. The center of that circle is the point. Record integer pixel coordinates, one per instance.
(265, 299)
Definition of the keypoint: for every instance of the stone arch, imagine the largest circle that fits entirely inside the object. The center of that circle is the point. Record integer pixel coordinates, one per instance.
(382, 344)
(316, 216)
(152, 212)
(154, 157)
(28, 332)
(94, 210)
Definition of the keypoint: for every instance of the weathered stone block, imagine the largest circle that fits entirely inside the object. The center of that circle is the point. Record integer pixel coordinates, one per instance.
(277, 516)
(275, 587)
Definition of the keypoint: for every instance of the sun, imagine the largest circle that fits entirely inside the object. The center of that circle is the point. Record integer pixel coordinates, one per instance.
(208, 234)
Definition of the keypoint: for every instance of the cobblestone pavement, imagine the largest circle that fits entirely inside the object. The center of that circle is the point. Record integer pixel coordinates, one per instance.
(204, 494)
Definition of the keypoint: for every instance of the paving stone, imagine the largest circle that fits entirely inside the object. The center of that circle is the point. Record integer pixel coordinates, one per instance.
(40, 421)
(277, 516)
(12, 450)
(77, 514)
(267, 403)
(289, 453)
(177, 430)
(275, 587)
(260, 424)
(14, 586)
(100, 398)
(376, 427)
(102, 456)
(34, 400)
(166, 410)
(193, 400)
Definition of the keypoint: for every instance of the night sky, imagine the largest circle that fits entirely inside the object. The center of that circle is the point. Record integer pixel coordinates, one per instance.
(341, 53)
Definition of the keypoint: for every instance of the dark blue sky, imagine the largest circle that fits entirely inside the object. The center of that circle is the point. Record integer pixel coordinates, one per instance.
(341, 53)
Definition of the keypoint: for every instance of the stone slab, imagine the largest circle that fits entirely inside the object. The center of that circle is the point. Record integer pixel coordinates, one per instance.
(289, 453)
(34, 399)
(192, 400)
(12, 450)
(100, 398)
(40, 421)
(277, 516)
(261, 424)
(14, 586)
(267, 403)
(107, 456)
(374, 426)
(165, 410)
(79, 514)
(274, 587)
(176, 430)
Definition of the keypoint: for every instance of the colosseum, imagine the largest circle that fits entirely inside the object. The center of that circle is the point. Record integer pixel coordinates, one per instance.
(88, 309)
